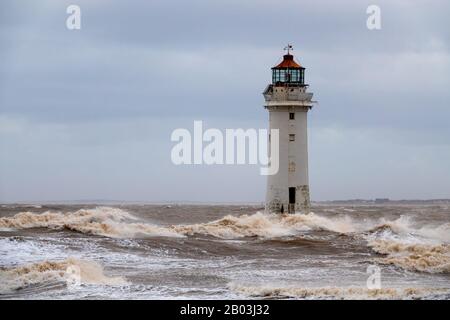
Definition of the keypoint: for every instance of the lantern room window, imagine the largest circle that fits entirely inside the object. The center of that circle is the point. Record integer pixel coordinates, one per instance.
(289, 76)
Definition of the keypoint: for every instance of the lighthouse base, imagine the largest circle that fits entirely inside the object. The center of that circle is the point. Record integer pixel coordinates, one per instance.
(288, 200)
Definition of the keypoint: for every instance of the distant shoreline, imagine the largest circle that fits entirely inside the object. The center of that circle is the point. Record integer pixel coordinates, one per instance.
(384, 202)
(198, 203)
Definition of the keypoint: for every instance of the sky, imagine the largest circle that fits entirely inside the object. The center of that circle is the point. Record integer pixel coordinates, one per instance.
(88, 114)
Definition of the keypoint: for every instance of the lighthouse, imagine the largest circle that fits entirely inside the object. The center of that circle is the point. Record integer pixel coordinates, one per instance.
(288, 103)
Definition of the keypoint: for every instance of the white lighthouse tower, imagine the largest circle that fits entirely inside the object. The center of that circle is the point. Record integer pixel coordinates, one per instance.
(288, 103)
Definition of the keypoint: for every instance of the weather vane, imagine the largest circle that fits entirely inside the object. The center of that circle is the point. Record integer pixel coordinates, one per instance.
(288, 48)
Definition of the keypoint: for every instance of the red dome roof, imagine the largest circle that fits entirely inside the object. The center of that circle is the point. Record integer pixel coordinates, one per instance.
(288, 62)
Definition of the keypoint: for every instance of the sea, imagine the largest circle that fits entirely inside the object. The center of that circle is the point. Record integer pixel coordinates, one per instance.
(198, 251)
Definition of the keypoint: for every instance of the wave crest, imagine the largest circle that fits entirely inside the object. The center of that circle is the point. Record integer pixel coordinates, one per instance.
(335, 292)
(114, 222)
(415, 257)
(50, 271)
(103, 221)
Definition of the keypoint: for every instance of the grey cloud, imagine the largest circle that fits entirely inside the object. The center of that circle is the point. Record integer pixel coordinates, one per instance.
(86, 95)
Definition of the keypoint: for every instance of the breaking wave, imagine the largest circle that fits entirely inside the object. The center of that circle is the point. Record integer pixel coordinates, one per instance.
(405, 225)
(114, 222)
(415, 257)
(103, 221)
(20, 277)
(336, 293)
(265, 225)
(428, 252)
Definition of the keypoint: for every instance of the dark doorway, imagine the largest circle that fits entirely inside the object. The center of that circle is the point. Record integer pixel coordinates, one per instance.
(291, 208)
(292, 195)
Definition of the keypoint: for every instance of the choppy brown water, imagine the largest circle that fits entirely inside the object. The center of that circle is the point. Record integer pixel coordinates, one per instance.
(228, 252)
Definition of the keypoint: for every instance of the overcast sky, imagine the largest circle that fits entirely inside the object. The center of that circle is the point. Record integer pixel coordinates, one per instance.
(87, 114)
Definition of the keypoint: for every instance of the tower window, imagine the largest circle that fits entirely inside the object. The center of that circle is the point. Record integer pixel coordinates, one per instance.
(291, 116)
(292, 137)
(291, 166)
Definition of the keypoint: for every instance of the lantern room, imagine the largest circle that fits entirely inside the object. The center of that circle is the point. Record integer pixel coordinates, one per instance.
(288, 72)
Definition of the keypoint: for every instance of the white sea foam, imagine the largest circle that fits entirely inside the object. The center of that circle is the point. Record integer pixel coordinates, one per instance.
(91, 272)
(335, 292)
(396, 239)
(113, 222)
(104, 221)
(415, 257)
